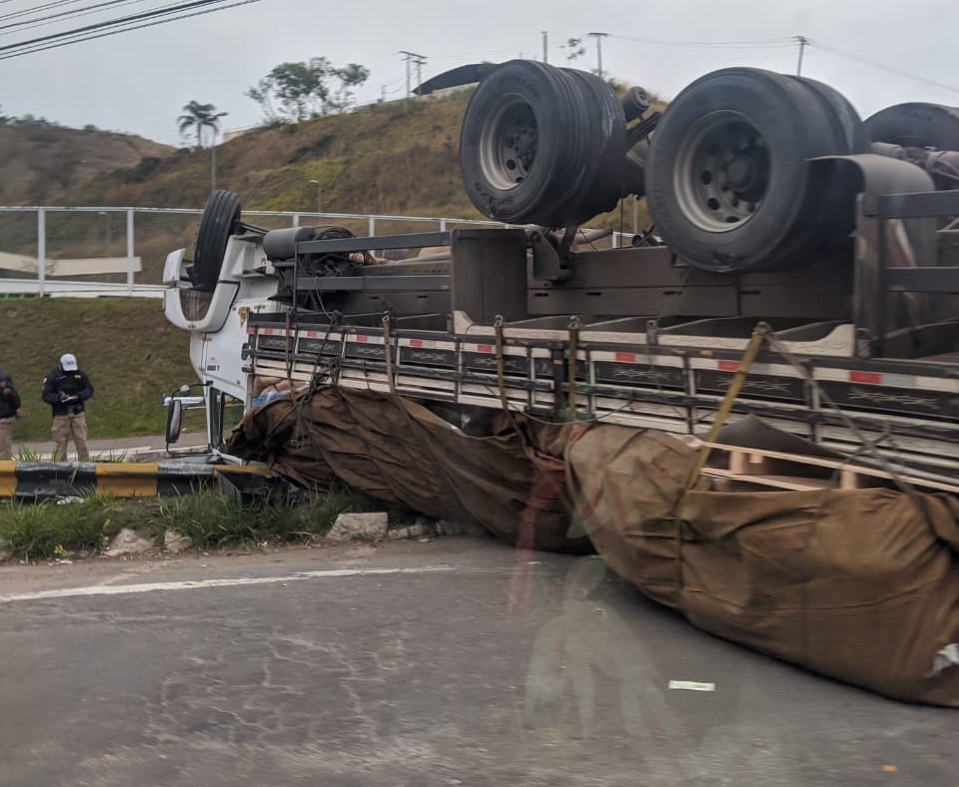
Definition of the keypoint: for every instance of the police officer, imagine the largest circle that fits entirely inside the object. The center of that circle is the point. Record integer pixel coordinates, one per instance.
(66, 388)
(9, 412)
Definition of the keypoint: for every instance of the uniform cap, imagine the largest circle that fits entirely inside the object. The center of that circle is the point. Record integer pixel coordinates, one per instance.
(68, 362)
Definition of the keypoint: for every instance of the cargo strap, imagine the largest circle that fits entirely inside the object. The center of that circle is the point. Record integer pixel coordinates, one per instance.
(745, 363)
(732, 392)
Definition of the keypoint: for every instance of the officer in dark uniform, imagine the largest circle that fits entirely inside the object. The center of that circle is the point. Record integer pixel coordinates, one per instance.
(9, 412)
(66, 389)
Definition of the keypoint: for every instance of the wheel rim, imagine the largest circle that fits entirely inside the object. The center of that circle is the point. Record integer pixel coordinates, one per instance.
(509, 143)
(723, 172)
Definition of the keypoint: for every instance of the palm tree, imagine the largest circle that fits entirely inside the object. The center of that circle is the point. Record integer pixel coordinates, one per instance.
(199, 116)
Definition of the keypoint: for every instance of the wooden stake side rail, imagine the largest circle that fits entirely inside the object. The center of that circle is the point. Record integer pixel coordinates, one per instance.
(751, 466)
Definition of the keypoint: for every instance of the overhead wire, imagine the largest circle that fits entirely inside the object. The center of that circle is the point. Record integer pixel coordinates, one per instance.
(758, 42)
(34, 9)
(109, 23)
(89, 33)
(43, 21)
(881, 66)
(792, 41)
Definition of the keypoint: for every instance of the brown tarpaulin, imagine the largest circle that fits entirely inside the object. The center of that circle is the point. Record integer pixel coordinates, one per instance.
(398, 451)
(861, 585)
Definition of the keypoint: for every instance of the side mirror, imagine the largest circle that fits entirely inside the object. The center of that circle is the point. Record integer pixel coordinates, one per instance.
(184, 389)
(174, 420)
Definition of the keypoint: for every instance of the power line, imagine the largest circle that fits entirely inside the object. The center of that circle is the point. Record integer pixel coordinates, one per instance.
(109, 23)
(41, 21)
(28, 11)
(758, 42)
(882, 66)
(78, 38)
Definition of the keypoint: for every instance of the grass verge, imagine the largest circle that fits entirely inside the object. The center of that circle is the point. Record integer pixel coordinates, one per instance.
(51, 529)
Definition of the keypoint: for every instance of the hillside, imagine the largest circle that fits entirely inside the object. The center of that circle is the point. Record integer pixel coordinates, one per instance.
(396, 158)
(126, 346)
(40, 163)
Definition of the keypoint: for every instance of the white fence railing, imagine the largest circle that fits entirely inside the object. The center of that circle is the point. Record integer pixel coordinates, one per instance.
(56, 250)
(90, 251)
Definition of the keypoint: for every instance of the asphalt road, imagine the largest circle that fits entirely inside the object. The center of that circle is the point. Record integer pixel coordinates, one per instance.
(454, 662)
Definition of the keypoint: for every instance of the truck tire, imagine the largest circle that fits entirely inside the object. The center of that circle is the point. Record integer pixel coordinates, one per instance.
(602, 184)
(727, 180)
(534, 142)
(842, 112)
(219, 220)
(916, 125)
(835, 219)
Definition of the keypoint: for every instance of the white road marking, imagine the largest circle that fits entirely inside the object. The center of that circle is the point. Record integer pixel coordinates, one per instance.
(121, 590)
(691, 685)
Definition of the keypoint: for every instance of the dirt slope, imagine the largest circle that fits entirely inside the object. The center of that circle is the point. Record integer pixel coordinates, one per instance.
(39, 164)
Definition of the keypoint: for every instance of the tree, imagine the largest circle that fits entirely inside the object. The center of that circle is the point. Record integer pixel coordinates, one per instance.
(574, 48)
(298, 91)
(199, 116)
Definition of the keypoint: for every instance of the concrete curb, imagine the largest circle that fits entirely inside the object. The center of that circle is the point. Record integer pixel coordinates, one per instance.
(37, 480)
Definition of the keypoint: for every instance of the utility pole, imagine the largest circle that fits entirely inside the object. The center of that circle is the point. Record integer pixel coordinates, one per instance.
(599, 51)
(545, 45)
(420, 62)
(802, 48)
(410, 57)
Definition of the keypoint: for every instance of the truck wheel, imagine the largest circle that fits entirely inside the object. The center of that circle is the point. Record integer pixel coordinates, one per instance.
(602, 184)
(916, 125)
(533, 142)
(835, 218)
(220, 217)
(727, 175)
(842, 114)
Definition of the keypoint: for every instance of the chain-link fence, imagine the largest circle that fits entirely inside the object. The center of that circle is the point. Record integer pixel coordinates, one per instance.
(53, 250)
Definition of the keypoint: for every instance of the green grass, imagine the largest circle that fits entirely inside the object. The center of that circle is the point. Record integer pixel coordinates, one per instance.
(49, 529)
(125, 345)
(210, 520)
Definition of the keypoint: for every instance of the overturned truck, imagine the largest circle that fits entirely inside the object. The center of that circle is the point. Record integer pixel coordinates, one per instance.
(750, 410)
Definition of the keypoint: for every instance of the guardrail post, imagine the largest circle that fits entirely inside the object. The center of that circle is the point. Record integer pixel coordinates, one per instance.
(41, 250)
(296, 220)
(371, 226)
(130, 266)
(442, 225)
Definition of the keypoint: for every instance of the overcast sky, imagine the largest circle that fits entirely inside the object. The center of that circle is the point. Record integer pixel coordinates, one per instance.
(139, 81)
